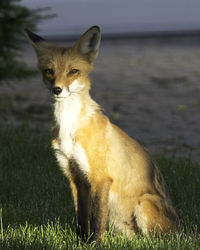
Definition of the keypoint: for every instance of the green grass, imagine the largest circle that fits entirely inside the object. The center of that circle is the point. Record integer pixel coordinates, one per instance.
(36, 210)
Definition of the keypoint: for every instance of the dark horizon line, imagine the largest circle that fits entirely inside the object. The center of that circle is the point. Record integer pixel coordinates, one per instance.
(133, 35)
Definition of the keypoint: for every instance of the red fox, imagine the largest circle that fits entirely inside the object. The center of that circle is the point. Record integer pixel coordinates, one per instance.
(112, 178)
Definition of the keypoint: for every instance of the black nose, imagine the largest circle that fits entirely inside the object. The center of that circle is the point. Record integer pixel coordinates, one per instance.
(57, 90)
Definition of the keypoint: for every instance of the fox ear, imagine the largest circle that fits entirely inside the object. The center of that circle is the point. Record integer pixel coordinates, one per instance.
(89, 42)
(33, 38)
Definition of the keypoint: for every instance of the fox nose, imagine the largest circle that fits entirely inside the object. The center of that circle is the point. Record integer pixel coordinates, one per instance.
(57, 90)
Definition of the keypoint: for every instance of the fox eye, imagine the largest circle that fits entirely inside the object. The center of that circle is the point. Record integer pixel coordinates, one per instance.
(73, 71)
(49, 71)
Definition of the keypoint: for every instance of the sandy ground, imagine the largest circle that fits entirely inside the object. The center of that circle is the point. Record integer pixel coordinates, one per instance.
(149, 87)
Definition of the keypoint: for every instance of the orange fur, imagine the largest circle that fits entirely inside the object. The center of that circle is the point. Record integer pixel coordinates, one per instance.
(113, 179)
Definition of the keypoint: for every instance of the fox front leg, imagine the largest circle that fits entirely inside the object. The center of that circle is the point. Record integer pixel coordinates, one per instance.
(82, 209)
(99, 209)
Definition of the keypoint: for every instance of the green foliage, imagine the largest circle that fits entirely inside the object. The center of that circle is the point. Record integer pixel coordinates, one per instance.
(36, 210)
(13, 19)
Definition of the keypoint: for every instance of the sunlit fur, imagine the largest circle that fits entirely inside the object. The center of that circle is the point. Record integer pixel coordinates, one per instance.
(112, 177)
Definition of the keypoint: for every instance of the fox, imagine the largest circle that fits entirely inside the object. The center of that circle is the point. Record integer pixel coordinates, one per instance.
(113, 179)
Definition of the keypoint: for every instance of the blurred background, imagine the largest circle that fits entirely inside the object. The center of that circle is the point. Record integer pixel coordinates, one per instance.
(119, 18)
(146, 76)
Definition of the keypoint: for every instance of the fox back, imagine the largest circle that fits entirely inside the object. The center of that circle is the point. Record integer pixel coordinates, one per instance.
(112, 177)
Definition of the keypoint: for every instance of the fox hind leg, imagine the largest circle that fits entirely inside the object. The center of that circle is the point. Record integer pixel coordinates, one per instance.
(153, 213)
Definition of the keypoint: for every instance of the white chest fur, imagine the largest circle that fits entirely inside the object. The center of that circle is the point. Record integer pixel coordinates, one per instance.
(67, 116)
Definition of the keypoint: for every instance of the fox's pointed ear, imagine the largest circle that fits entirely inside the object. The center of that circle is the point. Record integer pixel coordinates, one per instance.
(33, 38)
(89, 42)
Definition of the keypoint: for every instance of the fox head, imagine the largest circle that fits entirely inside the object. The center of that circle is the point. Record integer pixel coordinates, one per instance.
(66, 70)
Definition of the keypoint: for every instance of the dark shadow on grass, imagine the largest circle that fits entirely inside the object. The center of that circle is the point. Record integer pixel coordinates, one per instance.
(183, 180)
(33, 189)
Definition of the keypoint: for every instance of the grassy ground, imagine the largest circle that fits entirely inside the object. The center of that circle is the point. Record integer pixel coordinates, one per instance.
(36, 210)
